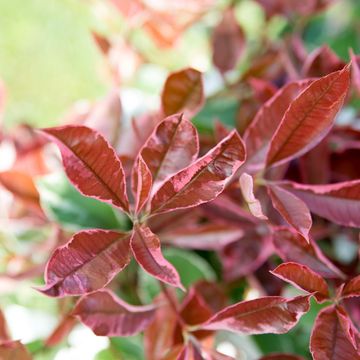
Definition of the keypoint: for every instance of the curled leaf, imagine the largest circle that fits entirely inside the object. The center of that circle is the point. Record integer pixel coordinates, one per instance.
(247, 189)
(304, 278)
(352, 287)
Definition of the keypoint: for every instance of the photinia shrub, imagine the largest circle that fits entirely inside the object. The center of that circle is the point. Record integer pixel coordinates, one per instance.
(261, 202)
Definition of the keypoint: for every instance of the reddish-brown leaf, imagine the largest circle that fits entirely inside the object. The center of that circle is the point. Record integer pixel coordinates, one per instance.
(172, 146)
(292, 209)
(4, 334)
(339, 202)
(141, 183)
(146, 248)
(247, 190)
(107, 315)
(228, 42)
(202, 181)
(258, 135)
(309, 117)
(293, 247)
(183, 92)
(352, 287)
(303, 278)
(321, 62)
(86, 263)
(270, 314)
(332, 336)
(91, 164)
(203, 237)
(14, 350)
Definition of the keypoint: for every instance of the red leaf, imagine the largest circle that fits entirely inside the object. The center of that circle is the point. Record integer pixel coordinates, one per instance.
(146, 248)
(247, 190)
(355, 66)
(309, 117)
(183, 92)
(321, 61)
(172, 146)
(303, 278)
(339, 202)
(107, 315)
(86, 263)
(203, 237)
(258, 135)
(331, 337)
(270, 314)
(91, 164)
(141, 183)
(292, 209)
(14, 350)
(228, 42)
(292, 247)
(202, 181)
(352, 287)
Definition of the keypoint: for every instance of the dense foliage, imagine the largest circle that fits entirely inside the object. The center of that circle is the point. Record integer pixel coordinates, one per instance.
(188, 223)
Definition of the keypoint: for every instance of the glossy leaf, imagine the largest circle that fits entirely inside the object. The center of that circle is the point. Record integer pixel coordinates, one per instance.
(339, 202)
(107, 315)
(309, 117)
(258, 135)
(86, 263)
(91, 164)
(292, 209)
(202, 181)
(228, 42)
(332, 336)
(293, 247)
(203, 237)
(141, 183)
(183, 92)
(303, 278)
(271, 314)
(172, 146)
(352, 287)
(146, 248)
(247, 190)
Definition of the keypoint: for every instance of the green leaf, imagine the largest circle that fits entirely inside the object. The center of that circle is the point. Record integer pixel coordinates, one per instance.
(63, 204)
(127, 348)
